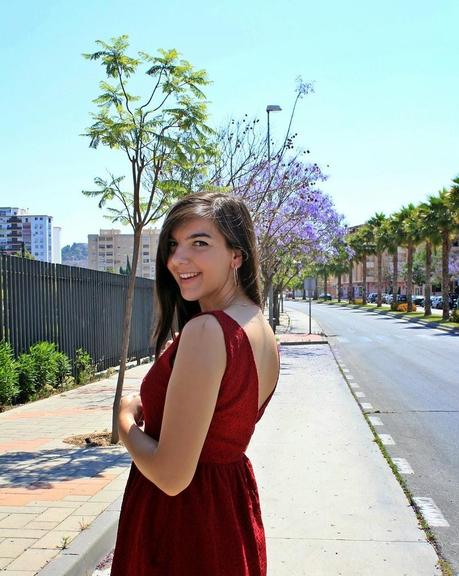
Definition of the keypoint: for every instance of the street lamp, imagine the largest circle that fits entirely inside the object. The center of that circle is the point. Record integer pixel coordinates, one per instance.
(270, 108)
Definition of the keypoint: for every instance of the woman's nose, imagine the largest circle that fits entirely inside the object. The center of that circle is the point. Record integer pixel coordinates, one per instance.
(179, 255)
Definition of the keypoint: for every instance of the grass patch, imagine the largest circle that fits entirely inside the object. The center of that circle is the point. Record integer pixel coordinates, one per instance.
(419, 316)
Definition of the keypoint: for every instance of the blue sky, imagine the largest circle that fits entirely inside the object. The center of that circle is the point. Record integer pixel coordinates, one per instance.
(383, 122)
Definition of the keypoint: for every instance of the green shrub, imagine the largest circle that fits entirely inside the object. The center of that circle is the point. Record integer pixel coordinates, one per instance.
(41, 370)
(83, 367)
(44, 358)
(455, 315)
(27, 377)
(63, 368)
(9, 388)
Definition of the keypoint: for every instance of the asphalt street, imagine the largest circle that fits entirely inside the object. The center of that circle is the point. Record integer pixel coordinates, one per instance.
(407, 377)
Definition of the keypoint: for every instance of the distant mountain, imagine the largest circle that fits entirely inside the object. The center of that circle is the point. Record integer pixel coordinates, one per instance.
(77, 252)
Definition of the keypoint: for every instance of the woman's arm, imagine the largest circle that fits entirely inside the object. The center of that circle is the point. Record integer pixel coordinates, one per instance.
(190, 402)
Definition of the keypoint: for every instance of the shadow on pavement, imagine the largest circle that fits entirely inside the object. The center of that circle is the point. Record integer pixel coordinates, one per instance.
(40, 469)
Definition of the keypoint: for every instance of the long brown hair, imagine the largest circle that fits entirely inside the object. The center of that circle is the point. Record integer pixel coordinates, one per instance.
(233, 220)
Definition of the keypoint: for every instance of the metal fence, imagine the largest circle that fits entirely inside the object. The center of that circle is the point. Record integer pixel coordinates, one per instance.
(74, 308)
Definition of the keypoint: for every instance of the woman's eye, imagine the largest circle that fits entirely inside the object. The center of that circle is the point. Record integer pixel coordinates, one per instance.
(171, 244)
(200, 243)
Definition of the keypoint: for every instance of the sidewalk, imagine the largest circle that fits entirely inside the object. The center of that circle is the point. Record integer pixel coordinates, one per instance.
(52, 493)
(330, 502)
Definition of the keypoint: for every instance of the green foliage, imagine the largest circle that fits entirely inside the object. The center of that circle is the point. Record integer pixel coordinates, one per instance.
(77, 251)
(163, 133)
(63, 368)
(455, 315)
(83, 366)
(27, 377)
(126, 271)
(9, 388)
(41, 370)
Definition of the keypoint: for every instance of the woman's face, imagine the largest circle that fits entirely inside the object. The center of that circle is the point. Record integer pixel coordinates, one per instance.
(202, 263)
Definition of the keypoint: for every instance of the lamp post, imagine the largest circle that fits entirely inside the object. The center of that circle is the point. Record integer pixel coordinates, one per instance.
(270, 108)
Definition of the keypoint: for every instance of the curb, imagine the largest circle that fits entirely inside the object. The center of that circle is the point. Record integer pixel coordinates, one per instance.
(88, 548)
(400, 316)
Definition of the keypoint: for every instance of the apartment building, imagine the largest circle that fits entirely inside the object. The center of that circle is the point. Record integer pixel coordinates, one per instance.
(110, 250)
(387, 274)
(20, 230)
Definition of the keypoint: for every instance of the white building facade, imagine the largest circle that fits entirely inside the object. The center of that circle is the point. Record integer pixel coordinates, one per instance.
(20, 230)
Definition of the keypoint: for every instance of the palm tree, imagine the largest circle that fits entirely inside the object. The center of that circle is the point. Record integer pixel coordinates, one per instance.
(376, 227)
(391, 231)
(428, 230)
(409, 238)
(340, 264)
(363, 245)
(445, 209)
(356, 243)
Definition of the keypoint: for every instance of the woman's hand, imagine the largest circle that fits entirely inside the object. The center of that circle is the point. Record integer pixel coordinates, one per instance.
(131, 408)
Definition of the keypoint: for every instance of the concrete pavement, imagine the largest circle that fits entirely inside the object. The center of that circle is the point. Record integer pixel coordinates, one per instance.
(331, 504)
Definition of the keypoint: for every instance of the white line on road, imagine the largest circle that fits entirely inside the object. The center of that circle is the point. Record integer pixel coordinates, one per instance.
(354, 385)
(345, 370)
(360, 394)
(402, 466)
(431, 512)
(367, 406)
(386, 439)
(375, 420)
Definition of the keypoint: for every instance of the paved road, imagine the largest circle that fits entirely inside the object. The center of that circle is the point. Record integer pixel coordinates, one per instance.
(409, 376)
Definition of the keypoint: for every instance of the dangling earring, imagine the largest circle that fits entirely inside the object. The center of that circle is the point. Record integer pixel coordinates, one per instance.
(236, 276)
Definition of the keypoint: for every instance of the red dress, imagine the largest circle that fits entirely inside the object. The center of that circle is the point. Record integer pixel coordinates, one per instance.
(214, 526)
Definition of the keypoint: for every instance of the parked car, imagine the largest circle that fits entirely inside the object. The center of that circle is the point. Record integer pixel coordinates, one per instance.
(388, 298)
(324, 296)
(418, 300)
(372, 297)
(436, 302)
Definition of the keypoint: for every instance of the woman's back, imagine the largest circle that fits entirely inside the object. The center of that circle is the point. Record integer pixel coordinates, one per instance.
(263, 344)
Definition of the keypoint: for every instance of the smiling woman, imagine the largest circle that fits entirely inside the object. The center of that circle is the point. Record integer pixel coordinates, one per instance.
(191, 504)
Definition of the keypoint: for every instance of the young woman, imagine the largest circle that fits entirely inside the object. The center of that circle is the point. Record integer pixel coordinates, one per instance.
(191, 504)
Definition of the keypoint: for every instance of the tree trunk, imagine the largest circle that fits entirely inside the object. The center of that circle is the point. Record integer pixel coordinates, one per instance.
(325, 285)
(364, 280)
(339, 287)
(126, 334)
(395, 279)
(409, 278)
(351, 286)
(276, 308)
(379, 273)
(445, 273)
(316, 289)
(428, 285)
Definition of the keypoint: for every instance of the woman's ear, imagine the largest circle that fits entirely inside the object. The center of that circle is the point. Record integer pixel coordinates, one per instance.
(237, 258)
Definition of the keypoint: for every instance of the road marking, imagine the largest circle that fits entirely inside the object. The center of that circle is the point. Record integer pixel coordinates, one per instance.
(386, 439)
(354, 385)
(346, 370)
(343, 340)
(367, 406)
(431, 512)
(375, 420)
(360, 394)
(349, 377)
(402, 466)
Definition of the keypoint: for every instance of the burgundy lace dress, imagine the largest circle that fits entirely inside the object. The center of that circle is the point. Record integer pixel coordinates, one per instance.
(214, 526)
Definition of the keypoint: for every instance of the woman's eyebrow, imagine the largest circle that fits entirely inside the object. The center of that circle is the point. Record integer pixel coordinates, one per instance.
(198, 234)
